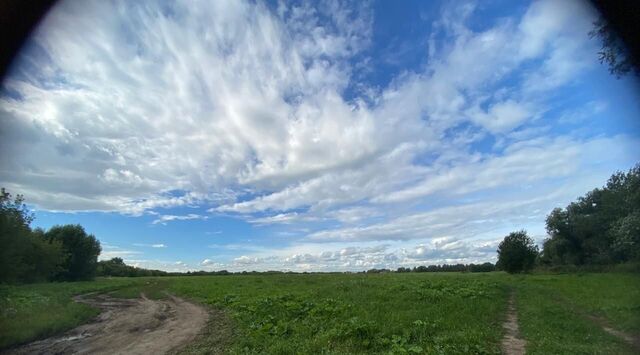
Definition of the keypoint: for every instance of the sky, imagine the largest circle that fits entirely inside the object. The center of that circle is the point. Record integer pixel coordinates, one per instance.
(311, 136)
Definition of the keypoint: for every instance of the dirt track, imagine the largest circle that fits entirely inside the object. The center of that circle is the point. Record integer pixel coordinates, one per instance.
(512, 343)
(127, 326)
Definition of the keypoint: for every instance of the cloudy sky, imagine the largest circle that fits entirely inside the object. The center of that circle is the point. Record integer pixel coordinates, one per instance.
(311, 136)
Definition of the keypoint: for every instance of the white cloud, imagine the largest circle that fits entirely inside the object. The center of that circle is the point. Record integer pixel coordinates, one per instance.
(265, 114)
(110, 251)
(164, 219)
(210, 264)
(127, 122)
(147, 115)
(307, 257)
(159, 245)
(526, 162)
(502, 116)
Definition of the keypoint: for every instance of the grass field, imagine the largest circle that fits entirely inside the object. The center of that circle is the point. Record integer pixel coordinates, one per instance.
(442, 313)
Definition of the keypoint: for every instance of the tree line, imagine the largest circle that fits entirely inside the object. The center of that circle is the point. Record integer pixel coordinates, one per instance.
(62, 253)
(484, 267)
(600, 228)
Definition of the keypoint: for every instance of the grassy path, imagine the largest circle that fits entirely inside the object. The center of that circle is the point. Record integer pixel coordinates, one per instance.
(512, 343)
(604, 323)
(579, 313)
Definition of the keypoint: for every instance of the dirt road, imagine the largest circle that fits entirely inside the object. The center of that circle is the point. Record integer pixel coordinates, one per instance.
(127, 326)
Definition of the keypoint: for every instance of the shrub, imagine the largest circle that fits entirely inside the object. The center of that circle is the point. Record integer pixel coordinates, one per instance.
(517, 253)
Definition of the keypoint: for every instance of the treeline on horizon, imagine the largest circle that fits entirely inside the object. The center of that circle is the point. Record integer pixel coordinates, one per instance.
(601, 228)
(485, 267)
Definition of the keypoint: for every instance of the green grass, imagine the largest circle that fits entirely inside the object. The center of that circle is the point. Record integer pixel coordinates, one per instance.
(616, 299)
(284, 314)
(447, 313)
(553, 325)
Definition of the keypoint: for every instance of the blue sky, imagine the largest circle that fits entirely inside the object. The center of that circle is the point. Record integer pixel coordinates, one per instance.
(311, 135)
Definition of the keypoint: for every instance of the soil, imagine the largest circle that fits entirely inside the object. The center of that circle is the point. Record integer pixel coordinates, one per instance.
(127, 326)
(512, 343)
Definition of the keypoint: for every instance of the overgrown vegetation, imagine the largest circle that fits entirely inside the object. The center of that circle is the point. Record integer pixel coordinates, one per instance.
(602, 227)
(25, 255)
(391, 313)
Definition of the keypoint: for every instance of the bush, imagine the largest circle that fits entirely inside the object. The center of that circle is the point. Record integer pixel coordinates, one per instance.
(517, 253)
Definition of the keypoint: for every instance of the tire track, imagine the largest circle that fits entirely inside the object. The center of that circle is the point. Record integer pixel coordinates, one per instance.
(127, 326)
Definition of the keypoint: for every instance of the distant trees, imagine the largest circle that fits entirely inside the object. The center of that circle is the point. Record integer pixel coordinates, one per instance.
(26, 255)
(602, 227)
(517, 253)
(117, 267)
(486, 267)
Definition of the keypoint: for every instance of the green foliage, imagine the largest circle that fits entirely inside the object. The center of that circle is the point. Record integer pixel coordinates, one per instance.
(517, 253)
(62, 253)
(602, 227)
(25, 255)
(625, 237)
(82, 251)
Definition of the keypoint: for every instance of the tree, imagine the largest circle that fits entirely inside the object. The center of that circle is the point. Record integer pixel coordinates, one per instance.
(601, 227)
(82, 251)
(517, 252)
(14, 232)
(625, 237)
(25, 255)
(44, 260)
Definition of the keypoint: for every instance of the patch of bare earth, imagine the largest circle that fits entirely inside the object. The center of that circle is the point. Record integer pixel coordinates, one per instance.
(512, 343)
(127, 326)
